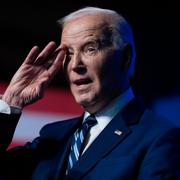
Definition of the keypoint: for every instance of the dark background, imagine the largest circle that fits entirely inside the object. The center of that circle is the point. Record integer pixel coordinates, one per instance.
(156, 30)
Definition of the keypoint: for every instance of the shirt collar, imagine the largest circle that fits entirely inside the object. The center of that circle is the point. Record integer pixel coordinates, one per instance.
(104, 116)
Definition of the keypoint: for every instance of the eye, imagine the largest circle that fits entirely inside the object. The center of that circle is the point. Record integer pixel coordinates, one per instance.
(91, 49)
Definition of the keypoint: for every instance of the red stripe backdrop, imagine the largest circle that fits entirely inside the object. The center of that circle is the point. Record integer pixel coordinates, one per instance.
(57, 104)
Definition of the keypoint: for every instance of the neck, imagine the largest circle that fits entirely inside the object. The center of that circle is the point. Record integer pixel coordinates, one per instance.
(104, 100)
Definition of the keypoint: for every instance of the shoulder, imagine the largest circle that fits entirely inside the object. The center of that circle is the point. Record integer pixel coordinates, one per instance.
(154, 129)
(59, 127)
(138, 113)
(138, 108)
(156, 121)
(147, 123)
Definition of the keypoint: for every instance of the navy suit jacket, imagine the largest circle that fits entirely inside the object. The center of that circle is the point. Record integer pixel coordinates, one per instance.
(147, 149)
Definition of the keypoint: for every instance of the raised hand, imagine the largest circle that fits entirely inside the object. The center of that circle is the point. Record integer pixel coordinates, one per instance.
(31, 79)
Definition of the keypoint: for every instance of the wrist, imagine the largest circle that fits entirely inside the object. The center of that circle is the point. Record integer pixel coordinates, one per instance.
(12, 100)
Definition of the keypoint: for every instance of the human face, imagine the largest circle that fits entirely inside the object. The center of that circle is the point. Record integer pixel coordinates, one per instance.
(92, 67)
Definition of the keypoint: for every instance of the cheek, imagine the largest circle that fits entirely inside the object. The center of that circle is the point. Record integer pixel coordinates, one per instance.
(106, 75)
(100, 72)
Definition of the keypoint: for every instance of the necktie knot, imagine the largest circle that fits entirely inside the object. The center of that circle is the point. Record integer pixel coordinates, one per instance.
(90, 121)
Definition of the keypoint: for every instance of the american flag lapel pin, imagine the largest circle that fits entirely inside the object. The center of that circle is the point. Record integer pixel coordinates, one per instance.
(118, 132)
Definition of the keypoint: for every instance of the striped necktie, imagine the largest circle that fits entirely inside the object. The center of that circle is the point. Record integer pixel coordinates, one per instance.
(78, 140)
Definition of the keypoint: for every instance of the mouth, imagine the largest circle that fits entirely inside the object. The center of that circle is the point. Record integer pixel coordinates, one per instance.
(84, 81)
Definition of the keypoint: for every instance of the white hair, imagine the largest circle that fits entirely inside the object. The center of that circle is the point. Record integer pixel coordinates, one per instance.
(121, 31)
(85, 11)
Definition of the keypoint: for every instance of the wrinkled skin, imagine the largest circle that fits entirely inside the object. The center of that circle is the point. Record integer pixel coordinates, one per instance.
(34, 75)
(93, 68)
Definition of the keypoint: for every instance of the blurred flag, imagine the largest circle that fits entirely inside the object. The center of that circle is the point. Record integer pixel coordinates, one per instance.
(56, 105)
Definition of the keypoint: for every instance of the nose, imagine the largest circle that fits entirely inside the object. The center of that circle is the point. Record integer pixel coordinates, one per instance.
(77, 63)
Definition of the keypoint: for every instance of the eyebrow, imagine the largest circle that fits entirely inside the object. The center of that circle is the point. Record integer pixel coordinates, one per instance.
(89, 42)
(93, 42)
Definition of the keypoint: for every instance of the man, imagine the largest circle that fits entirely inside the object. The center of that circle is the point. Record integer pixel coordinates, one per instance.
(125, 140)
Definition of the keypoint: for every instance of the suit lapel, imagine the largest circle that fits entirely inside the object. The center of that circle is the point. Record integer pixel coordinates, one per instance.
(105, 142)
(58, 167)
(115, 132)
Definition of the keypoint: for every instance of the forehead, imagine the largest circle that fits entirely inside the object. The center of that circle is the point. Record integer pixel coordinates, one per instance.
(83, 28)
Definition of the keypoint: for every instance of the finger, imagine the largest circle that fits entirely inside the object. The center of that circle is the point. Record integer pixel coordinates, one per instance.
(58, 49)
(51, 59)
(46, 53)
(32, 55)
(61, 47)
(65, 62)
(64, 47)
(54, 68)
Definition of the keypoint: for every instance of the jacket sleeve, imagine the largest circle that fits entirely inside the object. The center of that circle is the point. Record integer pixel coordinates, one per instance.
(7, 127)
(19, 161)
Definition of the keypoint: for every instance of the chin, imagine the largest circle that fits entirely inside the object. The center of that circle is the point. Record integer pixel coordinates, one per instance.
(84, 100)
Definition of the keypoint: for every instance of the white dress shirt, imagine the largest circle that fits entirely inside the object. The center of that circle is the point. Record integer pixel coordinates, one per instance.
(107, 114)
(6, 109)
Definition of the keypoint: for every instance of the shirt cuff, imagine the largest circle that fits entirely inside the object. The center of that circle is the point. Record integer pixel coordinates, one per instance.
(6, 109)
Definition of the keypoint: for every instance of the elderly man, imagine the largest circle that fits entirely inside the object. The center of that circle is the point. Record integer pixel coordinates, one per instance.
(116, 137)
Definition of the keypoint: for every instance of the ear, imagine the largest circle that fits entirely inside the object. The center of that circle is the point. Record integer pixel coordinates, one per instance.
(126, 58)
